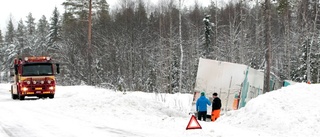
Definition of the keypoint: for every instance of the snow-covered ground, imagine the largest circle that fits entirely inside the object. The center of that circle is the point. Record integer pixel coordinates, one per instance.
(83, 111)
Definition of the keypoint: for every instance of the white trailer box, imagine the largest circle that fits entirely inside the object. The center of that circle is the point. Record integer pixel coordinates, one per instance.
(235, 83)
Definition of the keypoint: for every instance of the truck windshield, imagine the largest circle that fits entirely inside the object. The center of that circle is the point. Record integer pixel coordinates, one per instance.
(37, 69)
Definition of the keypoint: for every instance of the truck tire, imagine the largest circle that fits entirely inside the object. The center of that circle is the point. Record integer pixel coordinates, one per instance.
(20, 97)
(51, 96)
(13, 96)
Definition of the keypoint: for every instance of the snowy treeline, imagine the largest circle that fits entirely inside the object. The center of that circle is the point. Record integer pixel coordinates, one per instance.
(137, 47)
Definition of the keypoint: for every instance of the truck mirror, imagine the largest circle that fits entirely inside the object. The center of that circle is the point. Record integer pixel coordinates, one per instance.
(58, 68)
(11, 72)
(16, 69)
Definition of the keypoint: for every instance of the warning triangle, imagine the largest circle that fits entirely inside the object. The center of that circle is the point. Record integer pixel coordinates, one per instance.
(193, 123)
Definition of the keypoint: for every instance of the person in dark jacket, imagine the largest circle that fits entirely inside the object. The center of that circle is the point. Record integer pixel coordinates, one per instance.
(201, 106)
(216, 106)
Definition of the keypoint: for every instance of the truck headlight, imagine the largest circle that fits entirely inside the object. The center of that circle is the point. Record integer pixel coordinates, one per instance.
(24, 89)
(51, 88)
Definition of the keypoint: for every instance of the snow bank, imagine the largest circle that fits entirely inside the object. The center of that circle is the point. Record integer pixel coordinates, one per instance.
(130, 103)
(289, 111)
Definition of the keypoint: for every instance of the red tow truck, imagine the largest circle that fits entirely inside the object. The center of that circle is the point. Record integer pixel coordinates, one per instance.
(34, 76)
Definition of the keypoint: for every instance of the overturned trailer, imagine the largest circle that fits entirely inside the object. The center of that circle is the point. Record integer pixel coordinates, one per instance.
(235, 83)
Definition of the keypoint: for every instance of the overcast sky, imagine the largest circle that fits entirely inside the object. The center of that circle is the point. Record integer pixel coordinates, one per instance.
(19, 9)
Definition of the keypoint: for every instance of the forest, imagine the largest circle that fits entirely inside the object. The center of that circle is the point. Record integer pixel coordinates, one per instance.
(156, 47)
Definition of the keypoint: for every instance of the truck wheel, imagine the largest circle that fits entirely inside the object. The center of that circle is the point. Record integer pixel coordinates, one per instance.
(51, 96)
(21, 97)
(14, 96)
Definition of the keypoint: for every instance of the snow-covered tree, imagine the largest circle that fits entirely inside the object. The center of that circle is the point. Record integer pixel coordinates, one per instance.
(30, 48)
(54, 28)
(21, 36)
(10, 34)
(9, 50)
(1, 38)
(42, 31)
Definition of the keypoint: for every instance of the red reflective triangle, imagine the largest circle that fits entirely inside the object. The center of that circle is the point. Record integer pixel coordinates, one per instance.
(193, 123)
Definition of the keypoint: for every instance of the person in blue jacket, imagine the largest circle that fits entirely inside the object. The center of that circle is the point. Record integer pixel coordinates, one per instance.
(201, 106)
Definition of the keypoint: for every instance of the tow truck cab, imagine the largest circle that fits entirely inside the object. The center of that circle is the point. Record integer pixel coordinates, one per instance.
(34, 76)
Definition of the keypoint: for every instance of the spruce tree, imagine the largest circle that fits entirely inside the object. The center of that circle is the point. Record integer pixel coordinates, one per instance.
(31, 37)
(300, 73)
(53, 35)
(21, 36)
(42, 31)
(1, 39)
(10, 50)
(10, 34)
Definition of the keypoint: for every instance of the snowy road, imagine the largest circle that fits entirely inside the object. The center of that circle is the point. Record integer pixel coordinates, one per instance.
(36, 122)
(39, 117)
